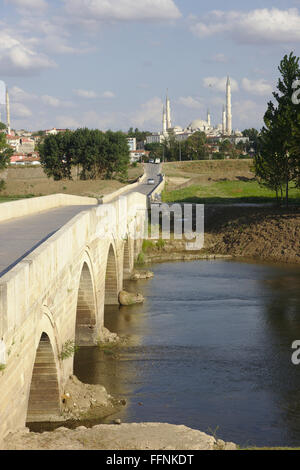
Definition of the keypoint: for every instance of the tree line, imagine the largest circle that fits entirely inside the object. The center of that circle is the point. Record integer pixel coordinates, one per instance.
(94, 154)
(277, 164)
(196, 147)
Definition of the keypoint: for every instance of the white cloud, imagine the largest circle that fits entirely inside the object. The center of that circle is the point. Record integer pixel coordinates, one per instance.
(67, 122)
(219, 84)
(90, 119)
(108, 94)
(190, 102)
(17, 94)
(258, 26)
(149, 114)
(122, 10)
(55, 102)
(40, 5)
(89, 94)
(19, 110)
(257, 87)
(17, 57)
(248, 112)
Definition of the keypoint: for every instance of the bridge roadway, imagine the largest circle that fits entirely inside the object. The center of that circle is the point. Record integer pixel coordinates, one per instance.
(20, 236)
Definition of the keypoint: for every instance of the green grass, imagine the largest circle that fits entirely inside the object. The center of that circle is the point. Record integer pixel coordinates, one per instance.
(15, 198)
(226, 192)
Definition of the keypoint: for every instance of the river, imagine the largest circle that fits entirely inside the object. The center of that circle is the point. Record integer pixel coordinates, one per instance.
(210, 348)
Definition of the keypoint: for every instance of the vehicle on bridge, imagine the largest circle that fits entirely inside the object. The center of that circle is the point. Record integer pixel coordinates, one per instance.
(150, 181)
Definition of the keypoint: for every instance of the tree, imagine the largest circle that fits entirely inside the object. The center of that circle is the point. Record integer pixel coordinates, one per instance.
(95, 154)
(118, 155)
(156, 150)
(195, 147)
(140, 136)
(55, 155)
(5, 152)
(279, 161)
(2, 126)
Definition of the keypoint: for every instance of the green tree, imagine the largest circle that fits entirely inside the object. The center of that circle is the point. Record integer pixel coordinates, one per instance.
(2, 126)
(5, 152)
(117, 156)
(156, 150)
(55, 155)
(195, 147)
(281, 126)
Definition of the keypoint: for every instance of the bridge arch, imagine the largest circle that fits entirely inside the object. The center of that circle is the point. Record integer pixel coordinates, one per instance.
(86, 306)
(111, 278)
(44, 390)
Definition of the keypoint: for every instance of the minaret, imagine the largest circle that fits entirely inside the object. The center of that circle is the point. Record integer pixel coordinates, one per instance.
(168, 110)
(7, 112)
(208, 118)
(228, 108)
(224, 121)
(164, 121)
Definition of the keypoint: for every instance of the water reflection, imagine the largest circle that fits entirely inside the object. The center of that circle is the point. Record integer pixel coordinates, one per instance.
(210, 348)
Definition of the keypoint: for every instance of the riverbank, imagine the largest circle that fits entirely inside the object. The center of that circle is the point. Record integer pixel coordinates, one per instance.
(264, 233)
(260, 233)
(134, 436)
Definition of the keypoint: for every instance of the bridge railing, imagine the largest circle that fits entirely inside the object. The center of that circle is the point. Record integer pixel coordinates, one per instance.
(23, 207)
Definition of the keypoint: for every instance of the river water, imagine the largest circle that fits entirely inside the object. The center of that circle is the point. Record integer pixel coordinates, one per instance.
(210, 348)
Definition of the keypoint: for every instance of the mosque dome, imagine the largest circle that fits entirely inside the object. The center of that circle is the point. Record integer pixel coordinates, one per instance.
(198, 124)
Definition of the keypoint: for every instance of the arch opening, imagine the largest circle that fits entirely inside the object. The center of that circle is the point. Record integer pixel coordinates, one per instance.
(44, 401)
(111, 279)
(86, 309)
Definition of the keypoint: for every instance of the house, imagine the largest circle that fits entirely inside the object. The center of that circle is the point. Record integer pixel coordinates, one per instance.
(137, 155)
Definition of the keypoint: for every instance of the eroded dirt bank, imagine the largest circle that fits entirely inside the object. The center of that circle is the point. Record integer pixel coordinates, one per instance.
(264, 233)
(261, 233)
(141, 436)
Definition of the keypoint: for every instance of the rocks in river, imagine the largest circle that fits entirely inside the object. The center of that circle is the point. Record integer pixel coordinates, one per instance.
(138, 275)
(222, 445)
(107, 337)
(128, 298)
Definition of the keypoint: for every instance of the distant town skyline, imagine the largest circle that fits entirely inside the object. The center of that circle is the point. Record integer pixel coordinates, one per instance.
(108, 64)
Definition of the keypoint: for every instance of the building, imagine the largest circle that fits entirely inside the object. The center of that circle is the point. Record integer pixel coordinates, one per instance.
(21, 144)
(132, 143)
(25, 159)
(137, 155)
(220, 130)
(54, 131)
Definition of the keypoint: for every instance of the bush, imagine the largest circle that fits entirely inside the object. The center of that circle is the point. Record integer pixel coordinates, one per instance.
(2, 185)
(140, 259)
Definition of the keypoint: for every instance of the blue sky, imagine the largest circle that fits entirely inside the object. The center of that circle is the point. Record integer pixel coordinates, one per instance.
(107, 63)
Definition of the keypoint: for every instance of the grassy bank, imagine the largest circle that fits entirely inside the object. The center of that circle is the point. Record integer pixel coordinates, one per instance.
(30, 182)
(226, 192)
(212, 168)
(217, 181)
(14, 198)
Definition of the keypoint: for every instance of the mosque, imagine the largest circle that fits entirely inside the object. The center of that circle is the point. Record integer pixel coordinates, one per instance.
(219, 132)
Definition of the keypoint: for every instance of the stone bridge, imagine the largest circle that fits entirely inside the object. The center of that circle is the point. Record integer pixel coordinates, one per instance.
(55, 296)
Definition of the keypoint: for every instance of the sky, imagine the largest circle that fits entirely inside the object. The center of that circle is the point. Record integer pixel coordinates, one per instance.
(107, 64)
